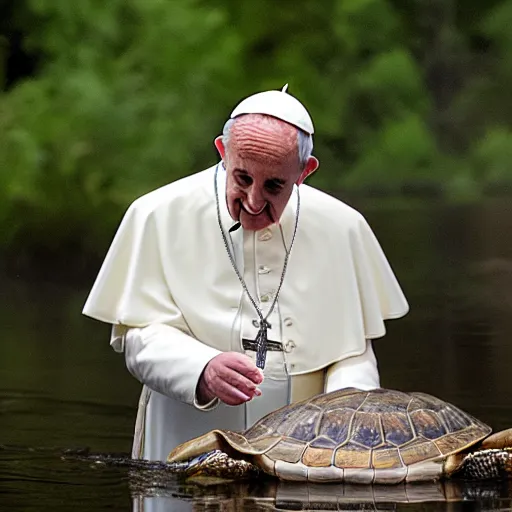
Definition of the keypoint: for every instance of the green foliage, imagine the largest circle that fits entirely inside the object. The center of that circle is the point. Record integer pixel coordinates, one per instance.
(403, 151)
(497, 26)
(129, 94)
(128, 101)
(492, 157)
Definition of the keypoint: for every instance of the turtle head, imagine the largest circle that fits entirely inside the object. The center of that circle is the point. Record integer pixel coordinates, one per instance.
(212, 456)
(215, 463)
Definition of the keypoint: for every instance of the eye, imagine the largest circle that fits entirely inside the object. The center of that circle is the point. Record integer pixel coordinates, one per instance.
(244, 179)
(273, 186)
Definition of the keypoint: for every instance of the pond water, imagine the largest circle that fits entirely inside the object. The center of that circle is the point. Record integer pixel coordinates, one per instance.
(63, 389)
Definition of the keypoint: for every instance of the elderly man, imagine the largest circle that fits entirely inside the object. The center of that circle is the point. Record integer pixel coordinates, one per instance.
(238, 289)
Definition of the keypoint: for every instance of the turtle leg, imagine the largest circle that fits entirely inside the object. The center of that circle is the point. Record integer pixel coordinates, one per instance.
(491, 463)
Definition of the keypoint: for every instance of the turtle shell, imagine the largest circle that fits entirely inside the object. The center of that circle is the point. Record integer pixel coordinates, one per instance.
(379, 436)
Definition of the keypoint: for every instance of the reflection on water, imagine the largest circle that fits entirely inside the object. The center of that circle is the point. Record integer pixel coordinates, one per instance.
(270, 494)
(62, 387)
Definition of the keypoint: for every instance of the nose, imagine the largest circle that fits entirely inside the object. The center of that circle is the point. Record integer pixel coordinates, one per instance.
(255, 202)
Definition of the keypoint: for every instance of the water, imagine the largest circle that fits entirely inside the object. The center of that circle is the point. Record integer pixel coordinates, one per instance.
(63, 388)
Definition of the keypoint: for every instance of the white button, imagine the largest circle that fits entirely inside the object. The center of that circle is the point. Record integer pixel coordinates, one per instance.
(288, 322)
(262, 269)
(266, 297)
(265, 235)
(289, 346)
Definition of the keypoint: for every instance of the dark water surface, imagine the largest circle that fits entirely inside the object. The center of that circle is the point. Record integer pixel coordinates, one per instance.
(63, 388)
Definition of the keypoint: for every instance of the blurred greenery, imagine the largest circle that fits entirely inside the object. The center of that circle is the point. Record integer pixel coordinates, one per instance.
(121, 97)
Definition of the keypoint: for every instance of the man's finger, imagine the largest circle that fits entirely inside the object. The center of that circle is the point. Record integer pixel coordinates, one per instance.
(225, 376)
(229, 394)
(244, 365)
(236, 380)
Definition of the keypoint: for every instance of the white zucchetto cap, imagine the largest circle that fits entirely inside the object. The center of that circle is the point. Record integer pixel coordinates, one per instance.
(278, 104)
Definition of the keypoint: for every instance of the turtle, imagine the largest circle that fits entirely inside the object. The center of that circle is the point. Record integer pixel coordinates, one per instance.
(380, 436)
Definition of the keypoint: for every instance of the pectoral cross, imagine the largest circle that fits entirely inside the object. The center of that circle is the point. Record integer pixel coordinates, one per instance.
(261, 344)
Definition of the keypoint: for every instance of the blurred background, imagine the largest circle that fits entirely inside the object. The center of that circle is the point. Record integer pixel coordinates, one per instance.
(101, 102)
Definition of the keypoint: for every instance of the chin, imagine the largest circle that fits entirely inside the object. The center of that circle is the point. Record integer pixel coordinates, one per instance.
(255, 223)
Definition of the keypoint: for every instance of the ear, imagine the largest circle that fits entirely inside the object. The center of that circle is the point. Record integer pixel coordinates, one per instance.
(220, 147)
(311, 166)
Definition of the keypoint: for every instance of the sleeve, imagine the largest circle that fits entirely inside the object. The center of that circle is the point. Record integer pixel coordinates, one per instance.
(168, 361)
(359, 372)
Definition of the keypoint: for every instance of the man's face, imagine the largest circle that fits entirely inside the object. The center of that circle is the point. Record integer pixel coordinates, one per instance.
(262, 166)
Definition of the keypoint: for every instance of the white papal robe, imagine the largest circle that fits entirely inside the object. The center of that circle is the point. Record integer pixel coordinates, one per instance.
(169, 289)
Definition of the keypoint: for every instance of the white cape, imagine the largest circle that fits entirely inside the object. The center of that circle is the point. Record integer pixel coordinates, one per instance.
(168, 264)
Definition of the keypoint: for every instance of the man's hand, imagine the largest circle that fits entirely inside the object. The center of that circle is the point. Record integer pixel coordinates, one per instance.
(230, 376)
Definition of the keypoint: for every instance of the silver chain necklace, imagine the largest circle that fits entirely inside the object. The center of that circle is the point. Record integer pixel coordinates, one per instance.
(261, 337)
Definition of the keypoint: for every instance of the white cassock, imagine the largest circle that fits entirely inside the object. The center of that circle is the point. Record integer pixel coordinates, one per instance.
(168, 288)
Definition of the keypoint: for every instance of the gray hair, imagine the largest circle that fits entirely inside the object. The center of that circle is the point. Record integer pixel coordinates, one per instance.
(304, 142)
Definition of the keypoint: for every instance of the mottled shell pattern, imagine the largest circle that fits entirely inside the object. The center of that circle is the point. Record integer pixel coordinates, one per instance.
(378, 436)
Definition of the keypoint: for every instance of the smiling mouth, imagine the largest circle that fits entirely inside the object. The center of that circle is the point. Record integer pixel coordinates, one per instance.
(253, 213)
(264, 211)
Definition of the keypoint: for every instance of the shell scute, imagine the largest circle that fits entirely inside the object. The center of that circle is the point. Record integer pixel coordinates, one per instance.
(304, 426)
(258, 431)
(386, 458)
(288, 449)
(419, 450)
(335, 424)
(425, 401)
(341, 397)
(452, 443)
(341, 400)
(317, 457)
(428, 424)
(352, 456)
(263, 444)
(397, 428)
(277, 420)
(379, 400)
(455, 419)
(323, 442)
(367, 430)
(244, 445)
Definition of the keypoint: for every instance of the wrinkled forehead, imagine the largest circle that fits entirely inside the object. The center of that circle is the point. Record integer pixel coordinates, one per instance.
(263, 138)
